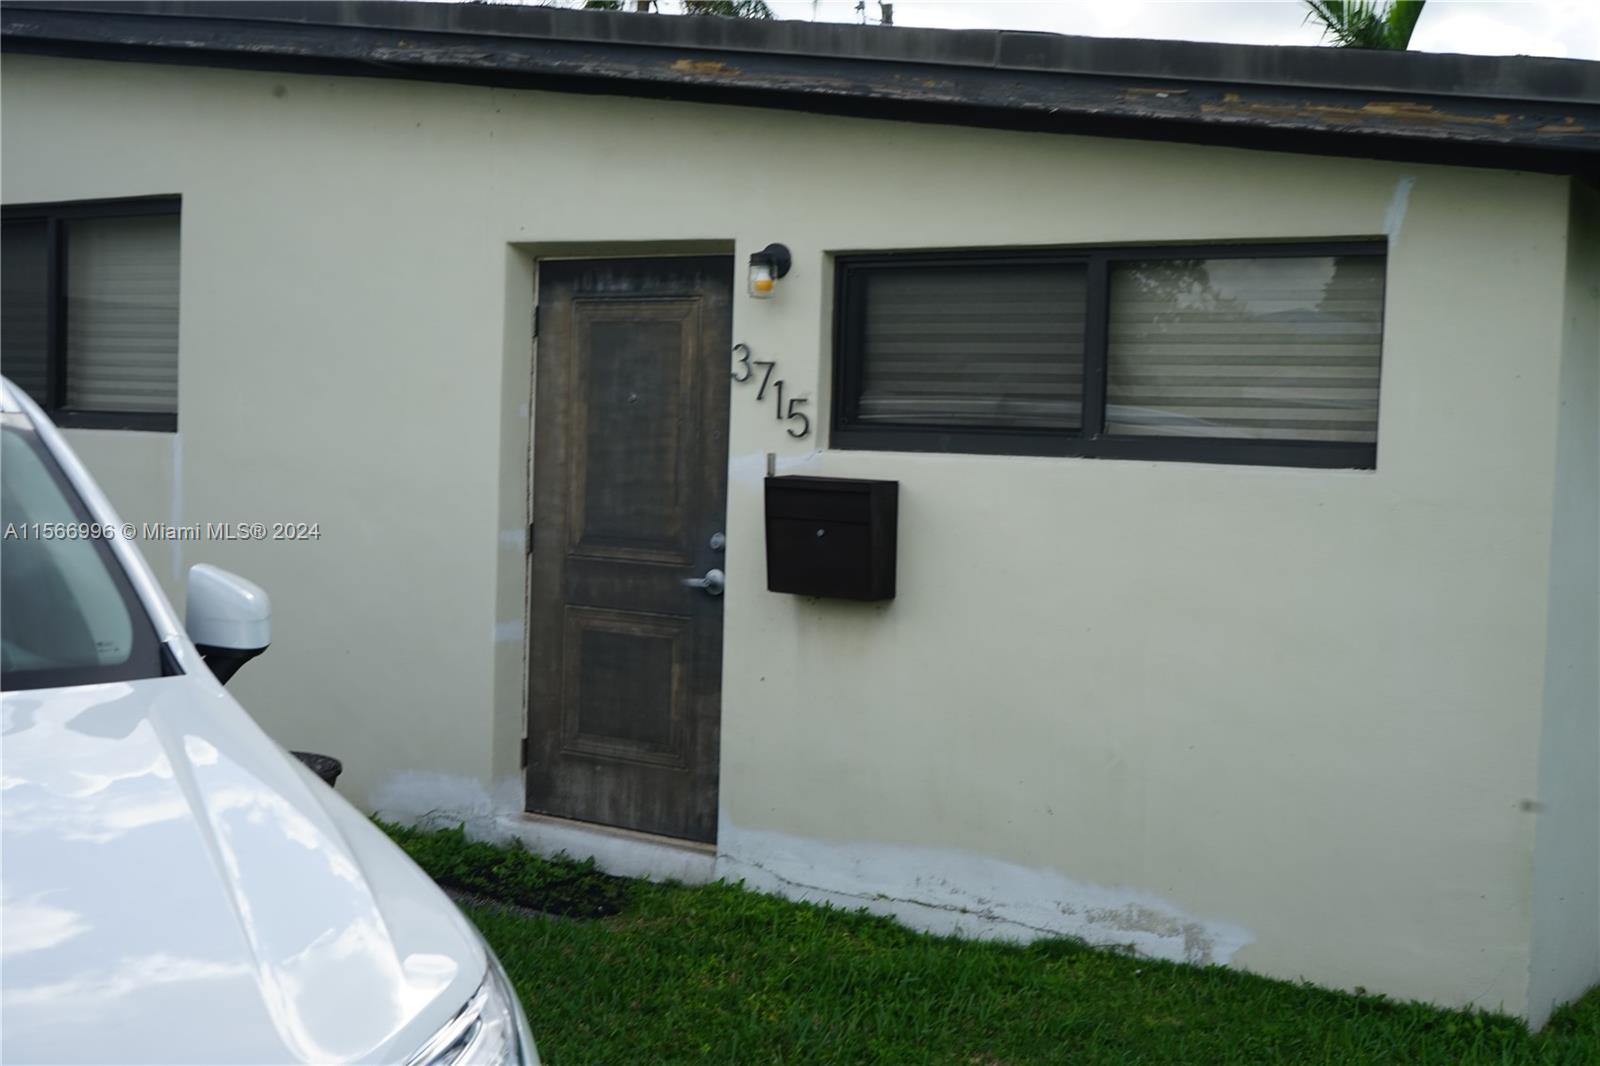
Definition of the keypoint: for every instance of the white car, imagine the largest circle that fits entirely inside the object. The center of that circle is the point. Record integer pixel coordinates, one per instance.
(176, 888)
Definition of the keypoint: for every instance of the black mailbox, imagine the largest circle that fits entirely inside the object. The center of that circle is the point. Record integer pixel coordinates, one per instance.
(832, 536)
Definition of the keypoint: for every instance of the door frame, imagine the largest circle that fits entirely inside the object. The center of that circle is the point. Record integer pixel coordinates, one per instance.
(535, 255)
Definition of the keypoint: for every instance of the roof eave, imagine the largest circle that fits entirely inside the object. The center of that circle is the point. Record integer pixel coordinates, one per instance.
(1557, 136)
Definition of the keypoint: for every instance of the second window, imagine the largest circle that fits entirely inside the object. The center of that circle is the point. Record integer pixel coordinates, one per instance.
(1266, 354)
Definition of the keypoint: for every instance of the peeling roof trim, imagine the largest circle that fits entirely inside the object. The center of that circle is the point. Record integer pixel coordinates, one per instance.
(1509, 113)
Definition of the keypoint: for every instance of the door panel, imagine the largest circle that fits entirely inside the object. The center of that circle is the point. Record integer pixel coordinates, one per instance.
(626, 673)
(637, 373)
(629, 484)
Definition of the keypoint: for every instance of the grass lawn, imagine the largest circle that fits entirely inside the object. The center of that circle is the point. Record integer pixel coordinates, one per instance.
(632, 973)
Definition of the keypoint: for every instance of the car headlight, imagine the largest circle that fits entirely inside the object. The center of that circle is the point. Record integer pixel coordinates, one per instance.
(489, 1031)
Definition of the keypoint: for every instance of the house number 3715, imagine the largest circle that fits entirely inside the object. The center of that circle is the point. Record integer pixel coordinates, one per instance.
(744, 370)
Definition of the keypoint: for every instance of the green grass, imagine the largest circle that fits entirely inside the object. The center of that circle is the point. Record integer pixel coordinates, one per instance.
(717, 974)
(512, 875)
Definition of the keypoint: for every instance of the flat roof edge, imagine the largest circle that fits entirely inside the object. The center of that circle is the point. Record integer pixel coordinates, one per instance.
(1529, 78)
(727, 66)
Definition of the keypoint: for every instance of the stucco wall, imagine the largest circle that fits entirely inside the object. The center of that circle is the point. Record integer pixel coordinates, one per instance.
(1566, 890)
(140, 473)
(1287, 718)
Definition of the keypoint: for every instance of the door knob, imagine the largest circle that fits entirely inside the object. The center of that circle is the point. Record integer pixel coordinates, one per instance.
(712, 583)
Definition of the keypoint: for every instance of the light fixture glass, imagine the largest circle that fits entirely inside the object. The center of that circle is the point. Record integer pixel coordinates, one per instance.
(761, 281)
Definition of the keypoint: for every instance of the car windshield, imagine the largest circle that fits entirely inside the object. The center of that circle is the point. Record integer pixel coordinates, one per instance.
(68, 615)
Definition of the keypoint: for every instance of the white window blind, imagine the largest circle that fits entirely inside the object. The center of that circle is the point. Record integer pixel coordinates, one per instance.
(1281, 348)
(122, 314)
(994, 346)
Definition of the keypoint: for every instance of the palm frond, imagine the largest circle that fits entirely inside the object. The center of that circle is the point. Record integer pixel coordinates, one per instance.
(1402, 21)
(1386, 24)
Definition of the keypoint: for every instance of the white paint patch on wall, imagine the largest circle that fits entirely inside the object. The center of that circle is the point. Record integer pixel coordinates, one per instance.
(751, 468)
(938, 890)
(946, 891)
(444, 801)
(1395, 216)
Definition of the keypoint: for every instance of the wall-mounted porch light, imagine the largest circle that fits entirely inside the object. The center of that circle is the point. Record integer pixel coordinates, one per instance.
(766, 267)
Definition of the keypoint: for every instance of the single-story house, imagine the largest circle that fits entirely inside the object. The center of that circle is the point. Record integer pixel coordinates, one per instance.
(1143, 491)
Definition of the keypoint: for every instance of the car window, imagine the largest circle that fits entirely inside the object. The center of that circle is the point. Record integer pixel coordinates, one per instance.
(68, 615)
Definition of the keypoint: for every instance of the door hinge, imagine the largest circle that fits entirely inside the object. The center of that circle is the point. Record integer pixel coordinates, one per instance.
(524, 753)
(535, 321)
(528, 543)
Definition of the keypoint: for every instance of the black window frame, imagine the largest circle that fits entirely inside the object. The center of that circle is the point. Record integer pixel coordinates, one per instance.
(1091, 440)
(55, 216)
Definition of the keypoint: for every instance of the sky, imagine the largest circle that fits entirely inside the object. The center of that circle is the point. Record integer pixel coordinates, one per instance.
(1569, 28)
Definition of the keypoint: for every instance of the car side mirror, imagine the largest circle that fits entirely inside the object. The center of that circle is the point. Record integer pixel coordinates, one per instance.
(228, 618)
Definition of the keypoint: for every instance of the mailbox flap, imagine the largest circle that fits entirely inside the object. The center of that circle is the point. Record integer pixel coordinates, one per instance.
(784, 501)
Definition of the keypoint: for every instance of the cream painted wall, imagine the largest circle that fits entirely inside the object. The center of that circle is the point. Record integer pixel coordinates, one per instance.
(1566, 888)
(1287, 718)
(139, 471)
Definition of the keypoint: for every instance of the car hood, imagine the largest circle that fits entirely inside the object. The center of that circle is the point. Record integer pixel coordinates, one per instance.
(177, 889)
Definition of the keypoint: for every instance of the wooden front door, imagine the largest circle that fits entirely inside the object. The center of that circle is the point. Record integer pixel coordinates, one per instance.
(629, 497)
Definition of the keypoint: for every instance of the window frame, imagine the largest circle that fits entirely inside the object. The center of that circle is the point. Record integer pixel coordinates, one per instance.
(55, 216)
(1090, 440)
